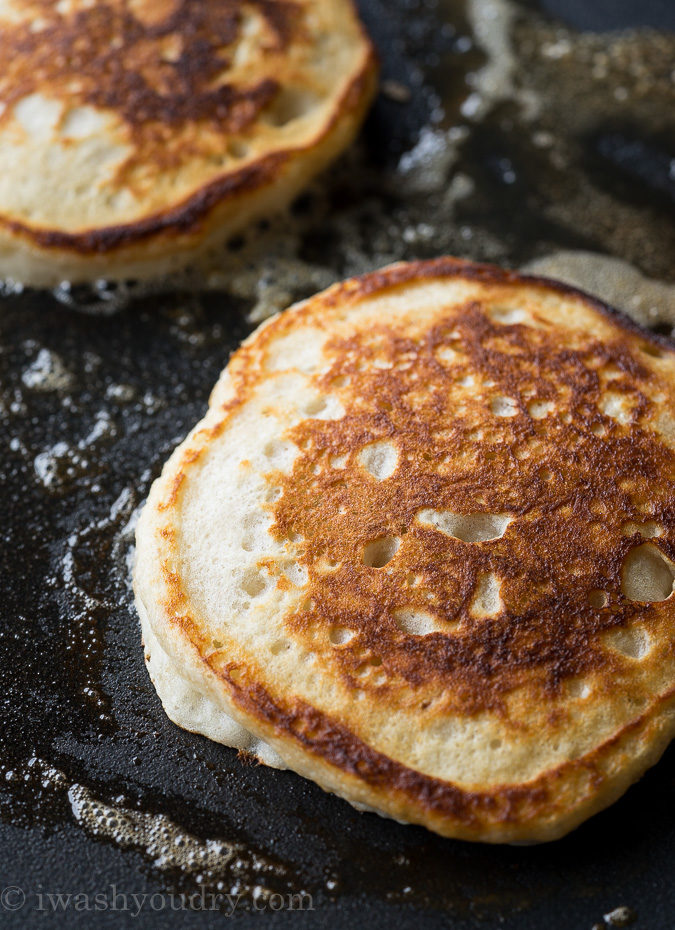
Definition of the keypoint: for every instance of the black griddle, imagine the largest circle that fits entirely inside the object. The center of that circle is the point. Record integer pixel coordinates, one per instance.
(78, 708)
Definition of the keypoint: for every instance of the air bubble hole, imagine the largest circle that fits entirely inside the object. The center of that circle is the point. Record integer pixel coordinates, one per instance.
(381, 551)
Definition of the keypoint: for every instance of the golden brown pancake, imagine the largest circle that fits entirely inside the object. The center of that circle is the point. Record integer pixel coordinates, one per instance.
(135, 134)
(422, 547)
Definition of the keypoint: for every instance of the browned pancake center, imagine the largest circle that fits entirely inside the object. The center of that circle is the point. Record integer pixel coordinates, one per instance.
(160, 66)
(505, 426)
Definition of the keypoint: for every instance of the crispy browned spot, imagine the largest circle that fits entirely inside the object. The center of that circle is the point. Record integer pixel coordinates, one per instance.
(571, 480)
(159, 72)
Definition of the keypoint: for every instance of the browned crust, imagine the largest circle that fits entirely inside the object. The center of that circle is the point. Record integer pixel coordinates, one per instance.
(184, 218)
(191, 214)
(540, 810)
(504, 813)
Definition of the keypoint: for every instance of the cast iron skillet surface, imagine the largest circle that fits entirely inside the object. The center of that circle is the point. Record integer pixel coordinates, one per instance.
(101, 798)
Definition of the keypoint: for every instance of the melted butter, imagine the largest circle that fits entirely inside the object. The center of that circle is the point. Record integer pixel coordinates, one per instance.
(649, 302)
(220, 863)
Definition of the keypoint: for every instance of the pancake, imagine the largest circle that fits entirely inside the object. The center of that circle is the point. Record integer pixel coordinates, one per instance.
(422, 545)
(190, 709)
(136, 134)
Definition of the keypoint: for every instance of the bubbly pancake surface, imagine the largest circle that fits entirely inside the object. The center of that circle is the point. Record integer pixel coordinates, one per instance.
(136, 128)
(422, 545)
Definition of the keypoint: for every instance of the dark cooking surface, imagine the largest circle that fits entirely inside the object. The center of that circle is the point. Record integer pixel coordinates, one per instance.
(87, 428)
